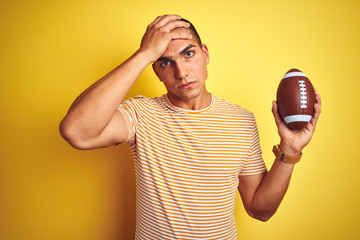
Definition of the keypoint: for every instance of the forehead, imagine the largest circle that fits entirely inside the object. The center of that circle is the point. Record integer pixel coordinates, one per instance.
(176, 45)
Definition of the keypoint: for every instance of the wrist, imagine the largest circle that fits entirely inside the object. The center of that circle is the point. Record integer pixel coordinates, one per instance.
(145, 55)
(151, 54)
(285, 148)
(285, 157)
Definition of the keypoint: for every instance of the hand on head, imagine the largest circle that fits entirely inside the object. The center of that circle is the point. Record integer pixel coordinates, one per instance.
(159, 34)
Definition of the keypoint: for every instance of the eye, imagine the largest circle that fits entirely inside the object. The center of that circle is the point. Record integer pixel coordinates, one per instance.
(189, 53)
(165, 63)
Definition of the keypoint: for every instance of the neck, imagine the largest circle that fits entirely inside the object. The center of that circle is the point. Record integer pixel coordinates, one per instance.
(197, 103)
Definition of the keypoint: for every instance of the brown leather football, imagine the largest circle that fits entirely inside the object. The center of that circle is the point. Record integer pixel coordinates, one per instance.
(296, 99)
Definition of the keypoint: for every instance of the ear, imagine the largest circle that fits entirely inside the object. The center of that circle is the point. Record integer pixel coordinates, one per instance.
(206, 53)
(154, 68)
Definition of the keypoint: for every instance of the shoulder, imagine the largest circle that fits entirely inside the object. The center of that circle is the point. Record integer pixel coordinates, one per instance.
(142, 101)
(231, 108)
(141, 105)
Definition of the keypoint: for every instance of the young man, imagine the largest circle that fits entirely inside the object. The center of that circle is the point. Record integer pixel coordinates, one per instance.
(192, 150)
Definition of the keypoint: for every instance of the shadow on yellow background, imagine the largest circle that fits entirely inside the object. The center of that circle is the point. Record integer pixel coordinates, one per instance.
(52, 50)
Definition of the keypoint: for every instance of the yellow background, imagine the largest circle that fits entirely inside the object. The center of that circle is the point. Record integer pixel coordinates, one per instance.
(52, 50)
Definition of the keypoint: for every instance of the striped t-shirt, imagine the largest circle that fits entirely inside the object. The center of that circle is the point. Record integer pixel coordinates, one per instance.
(187, 164)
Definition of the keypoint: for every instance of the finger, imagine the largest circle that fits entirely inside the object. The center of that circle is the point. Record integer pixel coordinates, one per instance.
(317, 106)
(318, 98)
(174, 25)
(156, 20)
(159, 19)
(163, 20)
(181, 35)
(276, 114)
(317, 110)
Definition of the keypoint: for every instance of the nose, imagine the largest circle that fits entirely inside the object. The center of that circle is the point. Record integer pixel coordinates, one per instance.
(181, 70)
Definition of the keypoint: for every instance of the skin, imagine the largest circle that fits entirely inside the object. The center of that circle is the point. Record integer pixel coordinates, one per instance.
(182, 69)
(93, 120)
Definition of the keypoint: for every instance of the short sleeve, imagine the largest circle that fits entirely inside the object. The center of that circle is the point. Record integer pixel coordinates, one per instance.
(129, 111)
(254, 163)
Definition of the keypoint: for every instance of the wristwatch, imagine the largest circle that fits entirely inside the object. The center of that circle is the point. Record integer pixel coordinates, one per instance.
(285, 157)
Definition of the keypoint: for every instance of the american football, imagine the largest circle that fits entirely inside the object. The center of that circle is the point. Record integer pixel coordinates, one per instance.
(296, 99)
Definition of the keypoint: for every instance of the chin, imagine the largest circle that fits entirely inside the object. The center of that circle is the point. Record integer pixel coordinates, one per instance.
(190, 95)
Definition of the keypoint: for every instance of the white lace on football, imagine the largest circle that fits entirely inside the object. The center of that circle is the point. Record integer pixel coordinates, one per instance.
(303, 97)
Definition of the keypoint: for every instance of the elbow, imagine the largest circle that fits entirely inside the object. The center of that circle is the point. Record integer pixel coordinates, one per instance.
(262, 216)
(70, 135)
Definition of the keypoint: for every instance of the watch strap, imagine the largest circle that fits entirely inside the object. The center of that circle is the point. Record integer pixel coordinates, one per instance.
(285, 157)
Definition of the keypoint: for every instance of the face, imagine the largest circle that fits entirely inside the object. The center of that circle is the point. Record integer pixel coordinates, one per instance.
(182, 69)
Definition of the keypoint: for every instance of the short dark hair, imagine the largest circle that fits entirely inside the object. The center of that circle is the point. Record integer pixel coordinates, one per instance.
(193, 30)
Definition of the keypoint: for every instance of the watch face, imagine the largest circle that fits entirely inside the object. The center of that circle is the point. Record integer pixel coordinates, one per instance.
(282, 156)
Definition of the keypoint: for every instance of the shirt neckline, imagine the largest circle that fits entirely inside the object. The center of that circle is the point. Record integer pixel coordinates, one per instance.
(179, 109)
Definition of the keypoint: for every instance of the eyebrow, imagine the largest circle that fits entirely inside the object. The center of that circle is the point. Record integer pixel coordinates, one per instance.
(180, 53)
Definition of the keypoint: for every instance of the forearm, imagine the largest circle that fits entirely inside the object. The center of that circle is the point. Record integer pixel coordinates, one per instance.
(271, 191)
(263, 193)
(92, 111)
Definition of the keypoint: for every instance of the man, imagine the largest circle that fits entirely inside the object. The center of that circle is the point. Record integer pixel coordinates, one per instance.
(192, 150)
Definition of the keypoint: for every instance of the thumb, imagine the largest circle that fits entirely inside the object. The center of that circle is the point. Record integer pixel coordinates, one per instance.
(277, 117)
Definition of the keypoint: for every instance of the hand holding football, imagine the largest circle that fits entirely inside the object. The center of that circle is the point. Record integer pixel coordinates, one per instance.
(296, 99)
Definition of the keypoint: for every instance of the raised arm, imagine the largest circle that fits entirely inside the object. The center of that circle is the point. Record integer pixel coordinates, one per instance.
(93, 120)
(262, 194)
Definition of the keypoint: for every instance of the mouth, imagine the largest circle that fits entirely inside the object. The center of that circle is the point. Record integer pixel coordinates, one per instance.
(186, 85)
